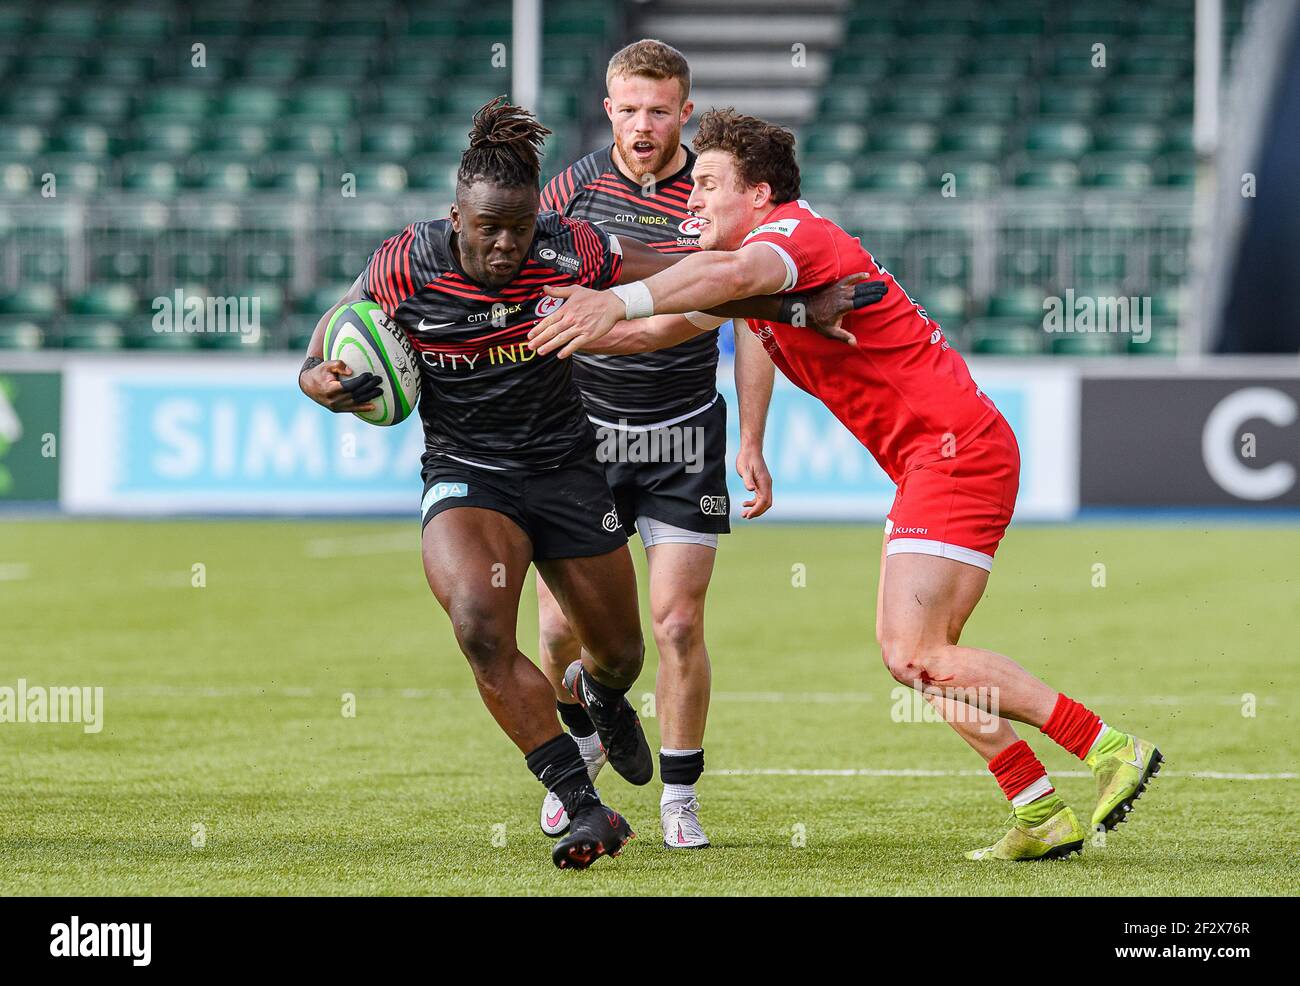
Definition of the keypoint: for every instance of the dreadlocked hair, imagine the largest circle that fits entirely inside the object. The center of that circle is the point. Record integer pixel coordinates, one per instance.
(503, 146)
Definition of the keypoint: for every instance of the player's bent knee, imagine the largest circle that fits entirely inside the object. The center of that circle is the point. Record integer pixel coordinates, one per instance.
(679, 634)
(623, 658)
(556, 637)
(484, 638)
(905, 659)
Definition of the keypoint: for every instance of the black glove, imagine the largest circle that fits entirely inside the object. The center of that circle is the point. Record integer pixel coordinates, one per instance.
(364, 387)
(864, 293)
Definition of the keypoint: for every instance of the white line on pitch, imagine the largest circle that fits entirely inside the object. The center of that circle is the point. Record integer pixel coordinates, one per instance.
(1210, 775)
(15, 571)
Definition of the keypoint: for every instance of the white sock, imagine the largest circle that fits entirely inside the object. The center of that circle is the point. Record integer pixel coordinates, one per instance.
(1041, 788)
(589, 747)
(677, 792)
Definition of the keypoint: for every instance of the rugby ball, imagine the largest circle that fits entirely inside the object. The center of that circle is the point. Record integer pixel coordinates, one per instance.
(368, 341)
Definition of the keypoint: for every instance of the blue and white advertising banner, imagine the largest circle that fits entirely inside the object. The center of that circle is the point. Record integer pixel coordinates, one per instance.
(821, 472)
(225, 436)
(160, 435)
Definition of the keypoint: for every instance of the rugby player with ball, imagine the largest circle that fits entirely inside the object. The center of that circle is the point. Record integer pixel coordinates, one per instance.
(510, 472)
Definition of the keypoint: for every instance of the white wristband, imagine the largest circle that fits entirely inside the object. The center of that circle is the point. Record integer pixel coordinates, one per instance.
(703, 320)
(636, 299)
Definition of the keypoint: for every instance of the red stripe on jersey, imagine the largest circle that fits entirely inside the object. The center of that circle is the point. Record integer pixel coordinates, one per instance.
(596, 186)
(406, 262)
(440, 284)
(584, 242)
(378, 288)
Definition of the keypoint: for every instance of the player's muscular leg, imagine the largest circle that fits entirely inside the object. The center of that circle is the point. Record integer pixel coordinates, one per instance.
(598, 595)
(924, 605)
(475, 561)
(987, 734)
(557, 645)
(679, 580)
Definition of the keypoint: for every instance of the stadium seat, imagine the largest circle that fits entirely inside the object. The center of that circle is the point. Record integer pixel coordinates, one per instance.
(103, 104)
(1069, 99)
(25, 105)
(21, 138)
(67, 24)
(138, 24)
(843, 140)
(1163, 341)
(54, 68)
(176, 102)
(1143, 101)
(859, 68)
(845, 103)
(123, 67)
(898, 177)
(999, 66)
(39, 300)
(827, 180)
(1048, 174)
(435, 174)
(21, 335)
(273, 65)
(1057, 138)
(906, 138)
(918, 102)
(150, 176)
(175, 138)
(969, 177)
(1138, 138)
(994, 338)
(323, 103)
(92, 334)
(395, 139)
(986, 140)
(1083, 343)
(107, 300)
(290, 174)
(988, 102)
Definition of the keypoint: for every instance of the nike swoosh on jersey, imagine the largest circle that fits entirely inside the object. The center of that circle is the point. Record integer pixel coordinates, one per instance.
(425, 328)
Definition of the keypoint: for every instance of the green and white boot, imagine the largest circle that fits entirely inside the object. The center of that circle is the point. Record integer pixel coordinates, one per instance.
(1046, 829)
(1123, 765)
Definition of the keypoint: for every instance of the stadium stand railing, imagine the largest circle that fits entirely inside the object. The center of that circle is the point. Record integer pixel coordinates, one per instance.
(314, 128)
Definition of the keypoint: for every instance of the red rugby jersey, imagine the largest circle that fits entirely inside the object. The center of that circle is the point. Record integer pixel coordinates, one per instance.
(903, 391)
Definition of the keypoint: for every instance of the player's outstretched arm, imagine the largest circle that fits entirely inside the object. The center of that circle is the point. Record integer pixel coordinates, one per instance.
(321, 380)
(642, 335)
(694, 283)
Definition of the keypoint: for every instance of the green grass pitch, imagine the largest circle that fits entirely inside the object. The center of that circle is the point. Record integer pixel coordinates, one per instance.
(224, 710)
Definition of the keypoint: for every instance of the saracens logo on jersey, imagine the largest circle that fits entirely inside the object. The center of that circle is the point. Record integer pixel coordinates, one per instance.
(572, 264)
(690, 226)
(548, 305)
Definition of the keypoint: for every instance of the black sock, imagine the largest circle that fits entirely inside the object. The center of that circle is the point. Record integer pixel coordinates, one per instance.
(558, 764)
(598, 694)
(681, 769)
(575, 717)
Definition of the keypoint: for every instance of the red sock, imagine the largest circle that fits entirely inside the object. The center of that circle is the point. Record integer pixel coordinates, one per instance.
(1072, 725)
(1017, 771)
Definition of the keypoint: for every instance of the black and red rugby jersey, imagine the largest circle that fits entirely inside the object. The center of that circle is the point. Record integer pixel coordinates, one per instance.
(486, 398)
(640, 388)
